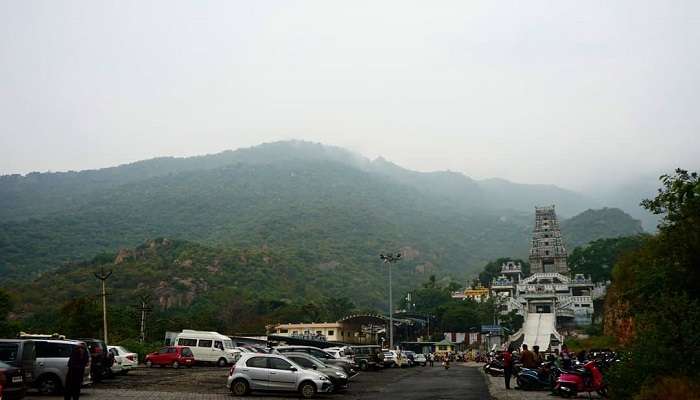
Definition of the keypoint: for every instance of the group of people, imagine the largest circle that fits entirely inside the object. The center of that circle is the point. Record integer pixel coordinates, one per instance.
(534, 358)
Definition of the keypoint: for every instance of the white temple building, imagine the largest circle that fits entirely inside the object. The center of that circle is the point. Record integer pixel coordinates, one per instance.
(549, 299)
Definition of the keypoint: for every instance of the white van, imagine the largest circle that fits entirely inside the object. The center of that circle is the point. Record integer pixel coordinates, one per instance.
(206, 346)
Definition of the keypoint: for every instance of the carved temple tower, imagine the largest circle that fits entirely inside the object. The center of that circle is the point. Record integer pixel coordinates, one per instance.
(547, 251)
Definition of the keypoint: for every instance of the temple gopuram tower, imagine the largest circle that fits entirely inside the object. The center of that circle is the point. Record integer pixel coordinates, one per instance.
(547, 252)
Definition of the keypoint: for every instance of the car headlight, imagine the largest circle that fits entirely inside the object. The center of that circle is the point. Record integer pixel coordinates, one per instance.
(323, 378)
(340, 374)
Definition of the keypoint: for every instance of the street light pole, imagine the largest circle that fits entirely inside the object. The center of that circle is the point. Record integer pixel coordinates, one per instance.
(390, 259)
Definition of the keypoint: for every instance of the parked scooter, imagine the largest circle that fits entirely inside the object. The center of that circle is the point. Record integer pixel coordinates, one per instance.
(544, 377)
(589, 379)
(494, 367)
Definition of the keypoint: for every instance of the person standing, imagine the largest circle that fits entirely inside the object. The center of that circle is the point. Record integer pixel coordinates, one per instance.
(537, 355)
(431, 358)
(565, 357)
(76, 370)
(508, 365)
(527, 358)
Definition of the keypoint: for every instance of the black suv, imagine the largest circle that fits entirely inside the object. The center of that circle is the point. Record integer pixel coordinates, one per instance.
(101, 360)
(368, 357)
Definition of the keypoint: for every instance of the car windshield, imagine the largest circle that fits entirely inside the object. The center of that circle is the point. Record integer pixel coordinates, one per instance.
(4, 366)
(122, 350)
(228, 344)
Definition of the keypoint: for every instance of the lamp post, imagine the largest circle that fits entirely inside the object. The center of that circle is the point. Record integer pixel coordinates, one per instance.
(390, 259)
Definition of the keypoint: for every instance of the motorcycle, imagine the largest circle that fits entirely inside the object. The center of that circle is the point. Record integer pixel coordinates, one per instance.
(544, 377)
(494, 367)
(588, 379)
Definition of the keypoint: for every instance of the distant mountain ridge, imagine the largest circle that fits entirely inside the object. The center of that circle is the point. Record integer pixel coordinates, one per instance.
(324, 204)
(39, 194)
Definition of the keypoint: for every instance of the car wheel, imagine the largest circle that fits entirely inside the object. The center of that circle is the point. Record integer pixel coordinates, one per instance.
(240, 387)
(222, 362)
(307, 390)
(49, 384)
(176, 364)
(149, 364)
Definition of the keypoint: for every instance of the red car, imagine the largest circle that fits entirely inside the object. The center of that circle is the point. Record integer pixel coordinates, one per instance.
(174, 356)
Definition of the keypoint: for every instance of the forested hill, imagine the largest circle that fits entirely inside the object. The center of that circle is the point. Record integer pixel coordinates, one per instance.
(591, 225)
(324, 204)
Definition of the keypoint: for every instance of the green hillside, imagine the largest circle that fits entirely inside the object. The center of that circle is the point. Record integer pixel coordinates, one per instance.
(592, 225)
(225, 289)
(325, 204)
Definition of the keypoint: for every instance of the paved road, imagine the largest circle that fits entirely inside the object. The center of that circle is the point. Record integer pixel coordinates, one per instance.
(459, 382)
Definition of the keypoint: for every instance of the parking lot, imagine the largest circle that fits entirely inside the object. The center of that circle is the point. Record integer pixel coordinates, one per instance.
(204, 383)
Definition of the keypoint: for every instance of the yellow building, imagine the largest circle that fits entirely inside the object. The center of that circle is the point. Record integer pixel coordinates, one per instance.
(355, 329)
(478, 294)
(444, 347)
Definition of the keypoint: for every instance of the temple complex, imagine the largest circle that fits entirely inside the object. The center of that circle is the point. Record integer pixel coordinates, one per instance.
(549, 299)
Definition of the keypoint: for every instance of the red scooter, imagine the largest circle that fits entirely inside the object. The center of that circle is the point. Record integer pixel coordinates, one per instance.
(589, 379)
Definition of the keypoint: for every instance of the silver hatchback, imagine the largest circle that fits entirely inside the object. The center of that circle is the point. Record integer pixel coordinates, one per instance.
(256, 371)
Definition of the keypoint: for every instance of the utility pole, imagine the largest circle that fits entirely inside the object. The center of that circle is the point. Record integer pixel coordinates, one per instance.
(390, 259)
(144, 308)
(103, 277)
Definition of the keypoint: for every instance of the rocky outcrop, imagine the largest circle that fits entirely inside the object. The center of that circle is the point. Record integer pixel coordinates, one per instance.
(618, 321)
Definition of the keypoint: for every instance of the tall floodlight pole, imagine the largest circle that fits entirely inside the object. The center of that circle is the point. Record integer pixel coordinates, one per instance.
(103, 277)
(144, 308)
(390, 259)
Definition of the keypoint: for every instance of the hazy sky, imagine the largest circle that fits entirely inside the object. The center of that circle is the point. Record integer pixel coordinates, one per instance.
(570, 93)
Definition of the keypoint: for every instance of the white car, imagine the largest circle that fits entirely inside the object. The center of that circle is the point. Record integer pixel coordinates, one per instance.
(340, 352)
(258, 371)
(124, 360)
(393, 358)
(420, 359)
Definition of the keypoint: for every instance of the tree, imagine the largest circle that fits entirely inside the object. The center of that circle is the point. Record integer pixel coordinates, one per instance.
(80, 318)
(655, 288)
(598, 257)
(512, 321)
(7, 329)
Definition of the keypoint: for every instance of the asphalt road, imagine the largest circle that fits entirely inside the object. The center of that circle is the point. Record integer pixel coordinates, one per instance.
(459, 382)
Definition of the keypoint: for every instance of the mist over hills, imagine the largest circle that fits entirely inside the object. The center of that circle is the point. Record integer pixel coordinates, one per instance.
(319, 204)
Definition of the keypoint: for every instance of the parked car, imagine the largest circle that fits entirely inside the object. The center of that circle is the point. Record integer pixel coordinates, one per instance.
(337, 376)
(348, 365)
(20, 354)
(100, 358)
(257, 371)
(341, 352)
(206, 346)
(174, 356)
(420, 359)
(51, 366)
(368, 357)
(11, 382)
(124, 360)
(393, 358)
